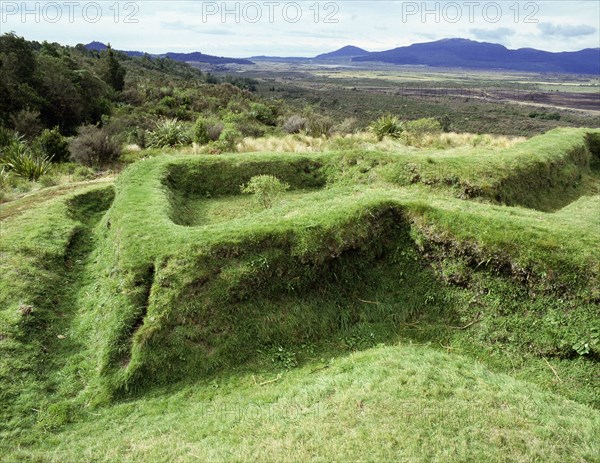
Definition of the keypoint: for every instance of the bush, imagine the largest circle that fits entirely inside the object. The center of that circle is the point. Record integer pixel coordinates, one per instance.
(263, 114)
(265, 188)
(19, 159)
(295, 124)
(7, 136)
(53, 145)
(27, 122)
(229, 138)
(415, 131)
(386, 126)
(319, 126)
(545, 116)
(347, 126)
(207, 130)
(168, 132)
(252, 129)
(94, 146)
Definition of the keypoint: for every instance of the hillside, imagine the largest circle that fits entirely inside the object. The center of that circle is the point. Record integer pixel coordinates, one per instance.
(480, 55)
(348, 51)
(195, 57)
(438, 303)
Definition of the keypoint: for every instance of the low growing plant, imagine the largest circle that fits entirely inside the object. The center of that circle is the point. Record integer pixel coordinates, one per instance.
(416, 131)
(387, 126)
(207, 130)
(265, 188)
(168, 132)
(22, 161)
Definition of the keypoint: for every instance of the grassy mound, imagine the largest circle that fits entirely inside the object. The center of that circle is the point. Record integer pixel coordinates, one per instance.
(390, 403)
(543, 173)
(172, 277)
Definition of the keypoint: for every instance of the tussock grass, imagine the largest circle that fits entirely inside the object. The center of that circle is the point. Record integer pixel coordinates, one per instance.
(367, 141)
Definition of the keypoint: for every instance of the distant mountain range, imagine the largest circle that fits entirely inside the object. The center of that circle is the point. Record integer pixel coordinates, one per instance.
(185, 57)
(343, 54)
(451, 53)
(466, 53)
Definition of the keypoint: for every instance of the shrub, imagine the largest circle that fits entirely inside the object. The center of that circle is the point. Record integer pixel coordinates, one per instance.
(24, 162)
(295, 124)
(262, 113)
(252, 129)
(319, 126)
(386, 126)
(229, 138)
(545, 116)
(27, 122)
(53, 145)
(347, 126)
(207, 130)
(94, 146)
(168, 132)
(138, 136)
(415, 131)
(7, 136)
(265, 188)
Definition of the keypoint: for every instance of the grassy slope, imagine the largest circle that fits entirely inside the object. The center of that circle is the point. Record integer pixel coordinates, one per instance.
(395, 403)
(154, 301)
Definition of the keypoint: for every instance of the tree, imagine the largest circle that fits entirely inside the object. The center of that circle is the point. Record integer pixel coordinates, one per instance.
(112, 72)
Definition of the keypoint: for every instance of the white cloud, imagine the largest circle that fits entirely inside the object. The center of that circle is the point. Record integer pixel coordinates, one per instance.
(373, 25)
(576, 30)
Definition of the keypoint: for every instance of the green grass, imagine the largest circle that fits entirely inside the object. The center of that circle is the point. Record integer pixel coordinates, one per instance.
(394, 403)
(127, 310)
(204, 211)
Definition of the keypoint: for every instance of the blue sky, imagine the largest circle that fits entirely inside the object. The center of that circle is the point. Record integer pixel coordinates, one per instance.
(302, 28)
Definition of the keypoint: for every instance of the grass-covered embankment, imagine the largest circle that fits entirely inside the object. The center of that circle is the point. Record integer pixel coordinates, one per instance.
(162, 303)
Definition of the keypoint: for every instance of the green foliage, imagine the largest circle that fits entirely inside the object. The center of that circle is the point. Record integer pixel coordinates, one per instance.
(113, 73)
(545, 116)
(24, 162)
(265, 188)
(592, 142)
(387, 126)
(94, 146)
(168, 133)
(415, 131)
(53, 145)
(27, 122)
(319, 126)
(207, 130)
(7, 137)
(284, 358)
(229, 138)
(262, 113)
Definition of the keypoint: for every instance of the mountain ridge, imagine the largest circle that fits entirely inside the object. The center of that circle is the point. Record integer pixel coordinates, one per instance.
(472, 54)
(448, 53)
(183, 57)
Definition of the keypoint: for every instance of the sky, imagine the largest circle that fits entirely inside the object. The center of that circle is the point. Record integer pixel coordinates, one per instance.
(302, 28)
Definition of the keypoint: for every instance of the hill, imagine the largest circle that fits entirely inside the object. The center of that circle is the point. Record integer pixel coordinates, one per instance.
(196, 57)
(481, 55)
(348, 51)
